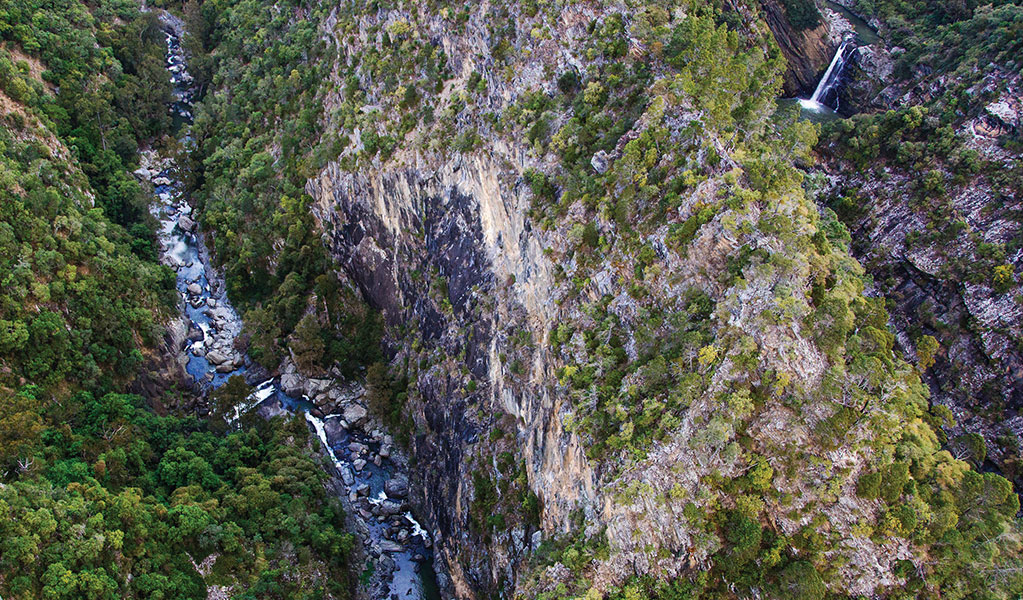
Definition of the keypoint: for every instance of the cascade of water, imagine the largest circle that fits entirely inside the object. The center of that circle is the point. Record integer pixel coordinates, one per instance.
(831, 75)
(397, 544)
(829, 80)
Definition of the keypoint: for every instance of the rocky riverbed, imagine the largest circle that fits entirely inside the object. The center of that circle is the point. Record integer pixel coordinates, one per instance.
(367, 470)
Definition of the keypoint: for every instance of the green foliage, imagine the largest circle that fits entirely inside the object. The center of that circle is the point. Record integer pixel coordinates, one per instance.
(926, 349)
(869, 486)
(278, 272)
(386, 396)
(76, 301)
(802, 14)
(123, 501)
(800, 581)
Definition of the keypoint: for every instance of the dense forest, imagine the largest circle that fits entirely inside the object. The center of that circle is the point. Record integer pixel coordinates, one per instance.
(628, 318)
(100, 496)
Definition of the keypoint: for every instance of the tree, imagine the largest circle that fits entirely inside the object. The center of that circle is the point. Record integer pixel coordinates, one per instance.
(800, 581)
(974, 447)
(926, 350)
(20, 427)
(13, 335)
(307, 343)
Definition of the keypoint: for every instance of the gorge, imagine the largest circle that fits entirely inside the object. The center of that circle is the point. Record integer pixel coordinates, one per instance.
(528, 300)
(372, 485)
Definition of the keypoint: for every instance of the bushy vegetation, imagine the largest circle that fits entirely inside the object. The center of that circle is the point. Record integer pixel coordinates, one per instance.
(80, 296)
(113, 91)
(966, 39)
(76, 301)
(112, 501)
(101, 498)
(258, 137)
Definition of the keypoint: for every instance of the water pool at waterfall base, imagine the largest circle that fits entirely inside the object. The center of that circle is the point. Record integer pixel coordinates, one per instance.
(810, 110)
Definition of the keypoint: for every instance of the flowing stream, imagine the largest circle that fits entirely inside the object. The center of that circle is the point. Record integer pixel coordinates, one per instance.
(399, 551)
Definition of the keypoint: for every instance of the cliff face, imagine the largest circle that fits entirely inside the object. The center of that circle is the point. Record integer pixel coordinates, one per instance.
(545, 345)
(807, 52)
(446, 253)
(933, 224)
(619, 325)
(934, 250)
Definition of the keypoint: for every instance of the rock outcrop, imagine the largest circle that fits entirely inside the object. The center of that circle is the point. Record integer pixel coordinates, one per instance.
(806, 51)
(163, 379)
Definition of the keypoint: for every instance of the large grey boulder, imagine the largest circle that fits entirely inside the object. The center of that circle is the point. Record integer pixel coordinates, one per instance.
(291, 383)
(216, 357)
(390, 507)
(396, 487)
(355, 414)
(389, 546)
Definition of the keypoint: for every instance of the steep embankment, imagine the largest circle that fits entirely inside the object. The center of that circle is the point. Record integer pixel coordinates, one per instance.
(805, 38)
(931, 192)
(620, 340)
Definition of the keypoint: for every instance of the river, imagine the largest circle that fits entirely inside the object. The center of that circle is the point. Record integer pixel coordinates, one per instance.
(373, 486)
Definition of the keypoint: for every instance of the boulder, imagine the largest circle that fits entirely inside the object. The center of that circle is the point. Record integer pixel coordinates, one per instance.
(346, 475)
(359, 464)
(396, 487)
(186, 223)
(291, 383)
(270, 408)
(142, 173)
(389, 546)
(390, 507)
(216, 357)
(225, 368)
(355, 414)
(195, 289)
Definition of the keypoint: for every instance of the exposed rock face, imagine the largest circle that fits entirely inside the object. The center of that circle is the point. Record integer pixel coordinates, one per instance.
(865, 81)
(472, 289)
(164, 371)
(978, 373)
(397, 234)
(807, 52)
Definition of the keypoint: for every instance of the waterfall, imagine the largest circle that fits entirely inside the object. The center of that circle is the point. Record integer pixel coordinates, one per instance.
(829, 80)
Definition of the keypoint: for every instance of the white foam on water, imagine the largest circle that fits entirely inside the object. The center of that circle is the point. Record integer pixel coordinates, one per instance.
(321, 432)
(417, 529)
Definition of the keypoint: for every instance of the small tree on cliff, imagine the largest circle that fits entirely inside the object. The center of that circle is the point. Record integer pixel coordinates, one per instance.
(307, 344)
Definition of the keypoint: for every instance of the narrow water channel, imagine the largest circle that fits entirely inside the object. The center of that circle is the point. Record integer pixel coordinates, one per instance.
(398, 550)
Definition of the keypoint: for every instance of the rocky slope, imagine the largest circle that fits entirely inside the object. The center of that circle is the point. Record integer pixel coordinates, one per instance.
(496, 301)
(937, 222)
(620, 339)
(807, 51)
